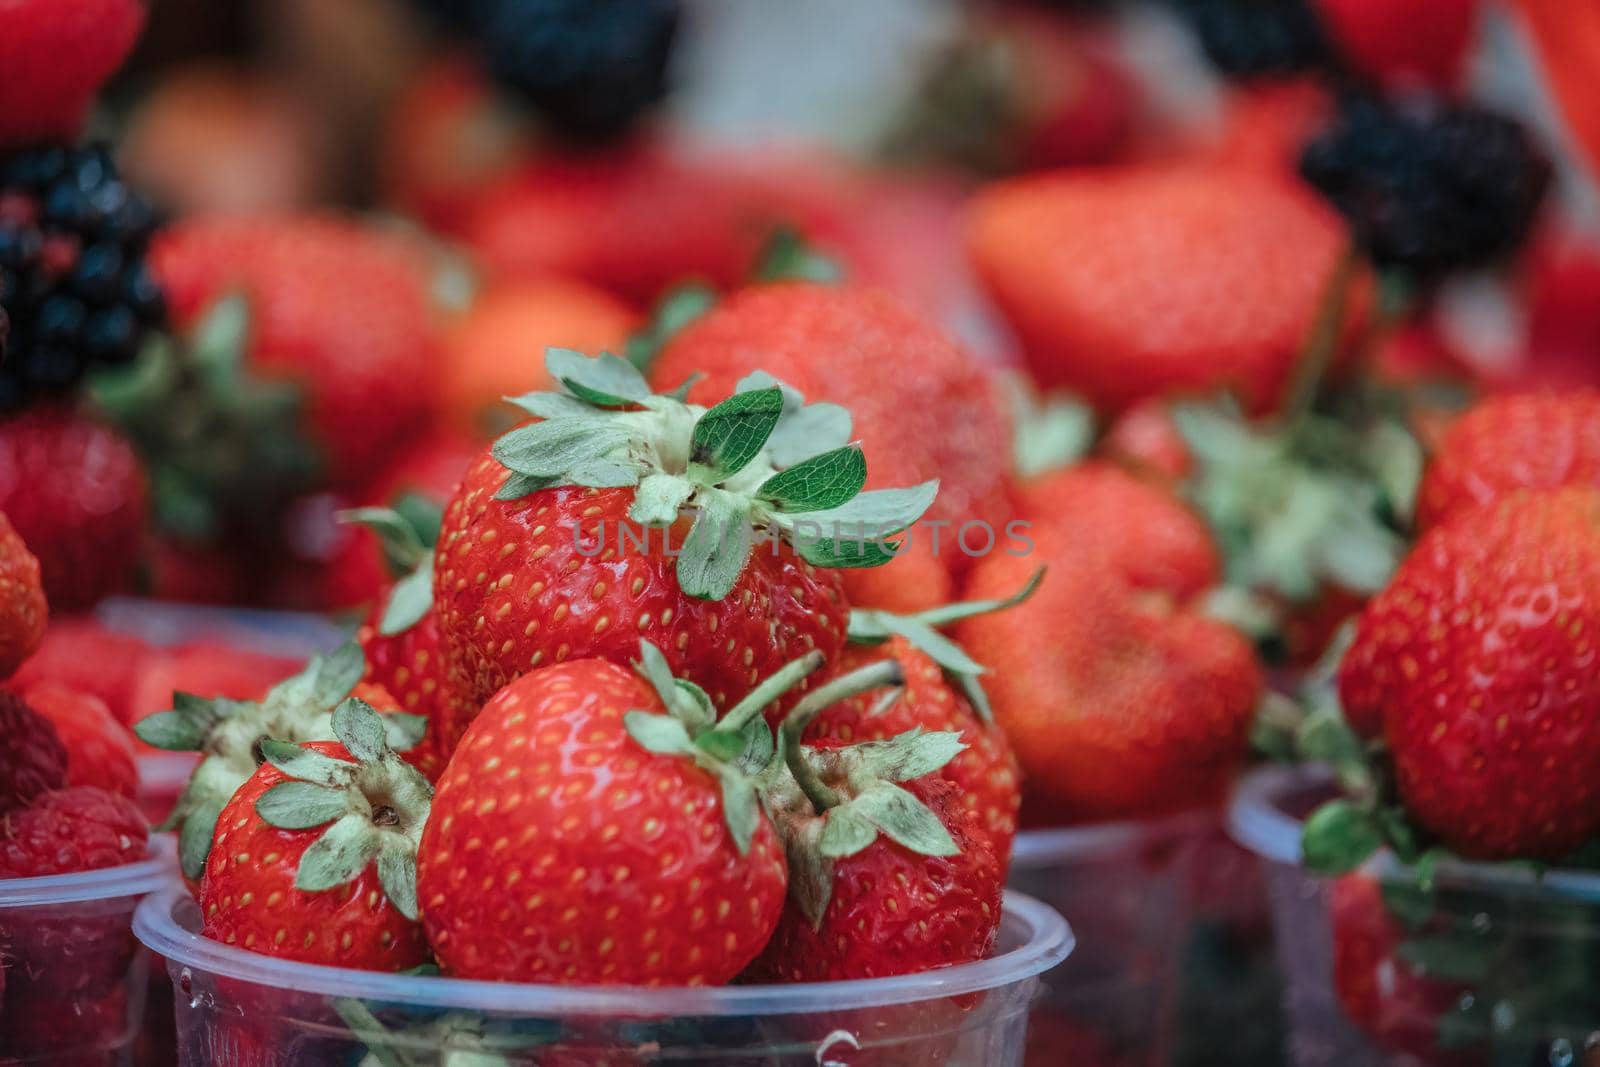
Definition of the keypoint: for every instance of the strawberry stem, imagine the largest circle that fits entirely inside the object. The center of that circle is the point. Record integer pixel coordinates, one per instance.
(779, 683)
(1323, 342)
(875, 676)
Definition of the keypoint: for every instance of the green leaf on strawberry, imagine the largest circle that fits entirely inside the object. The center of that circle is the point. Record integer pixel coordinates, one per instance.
(234, 735)
(375, 808)
(761, 461)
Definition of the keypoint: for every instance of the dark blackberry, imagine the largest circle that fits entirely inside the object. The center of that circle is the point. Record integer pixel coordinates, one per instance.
(73, 281)
(591, 68)
(1429, 186)
(1251, 38)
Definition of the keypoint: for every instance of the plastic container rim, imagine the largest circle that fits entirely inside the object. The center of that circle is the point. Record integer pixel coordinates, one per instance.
(1258, 824)
(1047, 941)
(107, 883)
(1042, 848)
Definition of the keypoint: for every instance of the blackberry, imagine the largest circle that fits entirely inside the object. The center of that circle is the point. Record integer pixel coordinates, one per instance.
(591, 68)
(1429, 186)
(73, 279)
(1250, 38)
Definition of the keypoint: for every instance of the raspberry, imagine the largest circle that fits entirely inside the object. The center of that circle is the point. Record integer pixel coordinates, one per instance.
(32, 759)
(69, 830)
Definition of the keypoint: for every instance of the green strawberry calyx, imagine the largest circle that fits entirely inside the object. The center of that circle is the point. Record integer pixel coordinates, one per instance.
(830, 803)
(870, 626)
(374, 809)
(763, 464)
(224, 447)
(736, 750)
(467, 1039)
(407, 531)
(229, 734)
(1304, 505)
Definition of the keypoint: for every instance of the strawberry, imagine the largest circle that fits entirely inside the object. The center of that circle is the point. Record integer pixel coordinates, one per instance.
(1266, 124)
(1566, 38)
(85, 655)
(314, 857)
(641, 219)
(1381, 990)
(54, 56)
(890, 908)
(75, 492)
(229, 734)
(447, 140)
(99, 748)
(23, 610)
(1019, 90)
(571, 537)
(363, 559)
(1507, 443)
(922, 407)
(496, 349)
(207, 669)
(1146, 440)
(1127, 283)
(1150, 538)
(32, 757)
(1404, 45)
(1119, 701)
(985, 773)
(214, 139)
(338, 309)
(628, 864)
(1475, 657)
(413, 665)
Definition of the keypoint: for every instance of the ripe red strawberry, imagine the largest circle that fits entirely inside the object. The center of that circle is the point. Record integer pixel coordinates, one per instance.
(414, 667)
(313, 858)
(639, 220)
(54, 56)
(1476, 658)
(515, 566)
(1507, 443)
(364, 560)
(1141, 281)
(23, 610)
(1404, 44)
(921, 406)
(572, 842)
(75, 492)
(338, 309)
(1146, 440)
(892, 910)
(985, 774)
(1396, 1003)
(33, 760)
(1019, 89)
(573, 536)
(99, 748)
(1119, 702)
(229, 734)
(68, 830)
(1146, 535)
(83, 654)
(206, 669)
(448, 139)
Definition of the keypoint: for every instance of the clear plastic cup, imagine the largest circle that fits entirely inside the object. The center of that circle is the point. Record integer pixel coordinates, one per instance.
(74, 976)
(237, 1007)
(1127, 887)
(1497, 966)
